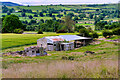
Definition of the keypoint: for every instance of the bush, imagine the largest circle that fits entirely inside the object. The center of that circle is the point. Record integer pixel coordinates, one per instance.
(61, 31)
(90, 29)
(107, 34)
(68, 58)
(71, 31)
(94, 35)
(84, 32)
(40, 31)
(64, 58)
(30, 17)
(18, 31)
(116, 31)
(85, 54)
(77, 28)
(71, 58)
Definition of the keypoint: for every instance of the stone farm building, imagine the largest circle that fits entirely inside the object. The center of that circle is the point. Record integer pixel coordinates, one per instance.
(62, 42)
(34, 51)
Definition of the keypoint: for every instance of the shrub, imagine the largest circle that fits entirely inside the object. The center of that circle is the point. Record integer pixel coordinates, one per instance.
(71, 31)
(90, 29)
(84, 32)
(116, 31)
(68, 58)
(40, 31)
(107, 33)
(64, 58)
(30, 17)
(85, 54)
(77, 28)
(61, 31)
(18, 31)
(95, 35)
(71, 58)
(115, 43)
(35, 15)
(110, 34)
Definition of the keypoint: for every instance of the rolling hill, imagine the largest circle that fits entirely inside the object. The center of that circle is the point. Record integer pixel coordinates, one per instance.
(10, 4)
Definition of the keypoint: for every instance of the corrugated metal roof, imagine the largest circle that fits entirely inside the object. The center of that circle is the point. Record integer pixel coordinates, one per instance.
(55, 38)
(58, 39)
(52, 39)
(73, 37)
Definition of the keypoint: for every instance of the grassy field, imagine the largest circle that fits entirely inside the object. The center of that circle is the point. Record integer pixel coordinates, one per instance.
(84, 24)
(58, 7)
(17, 40)
(39, 8)
(102, 64)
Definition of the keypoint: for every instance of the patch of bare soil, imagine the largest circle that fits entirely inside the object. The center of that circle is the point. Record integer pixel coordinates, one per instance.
(101, 38)
(117, 40)
(95, 42)
(76, 53)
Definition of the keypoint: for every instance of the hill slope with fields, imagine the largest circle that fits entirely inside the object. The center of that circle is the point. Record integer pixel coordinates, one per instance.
(10, 4)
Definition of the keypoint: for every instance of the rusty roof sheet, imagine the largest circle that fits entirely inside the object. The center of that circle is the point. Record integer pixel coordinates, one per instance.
(58, 39)
(55, 38)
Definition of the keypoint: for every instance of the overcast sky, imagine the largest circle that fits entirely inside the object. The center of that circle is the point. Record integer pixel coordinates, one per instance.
(43, 2)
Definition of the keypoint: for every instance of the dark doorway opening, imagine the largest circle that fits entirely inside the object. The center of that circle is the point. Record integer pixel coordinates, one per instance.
(62, 47)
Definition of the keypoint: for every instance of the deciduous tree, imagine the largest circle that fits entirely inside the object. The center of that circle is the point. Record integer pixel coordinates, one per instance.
(10, 23)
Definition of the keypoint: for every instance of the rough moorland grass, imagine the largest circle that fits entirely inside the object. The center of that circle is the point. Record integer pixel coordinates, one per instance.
(102, 64)
(63, 69)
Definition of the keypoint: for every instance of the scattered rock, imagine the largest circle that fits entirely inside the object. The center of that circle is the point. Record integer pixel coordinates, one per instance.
(117, 40)
(95, 42)
(89, 52)
(101, 38)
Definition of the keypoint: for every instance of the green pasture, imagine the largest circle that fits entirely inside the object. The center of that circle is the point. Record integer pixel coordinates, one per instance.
(106, 53)
(90, 10)
(103, 49)
(44, 18)
(39, 8)
(18, 13)
(17, 40)
(102, 64)
(113, 19)
(114, 38)
(25, 19)
(82, 24)
(14, 42)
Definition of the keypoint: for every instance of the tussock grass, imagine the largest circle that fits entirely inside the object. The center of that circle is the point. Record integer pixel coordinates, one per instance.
(63, 69)
(102, 64)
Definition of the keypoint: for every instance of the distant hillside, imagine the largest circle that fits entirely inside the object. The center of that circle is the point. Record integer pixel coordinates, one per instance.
(10, 4)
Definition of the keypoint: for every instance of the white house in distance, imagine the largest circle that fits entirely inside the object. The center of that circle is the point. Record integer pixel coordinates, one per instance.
(62, 42)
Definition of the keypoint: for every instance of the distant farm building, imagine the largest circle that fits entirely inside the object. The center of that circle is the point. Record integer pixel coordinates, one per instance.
(62, 42)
